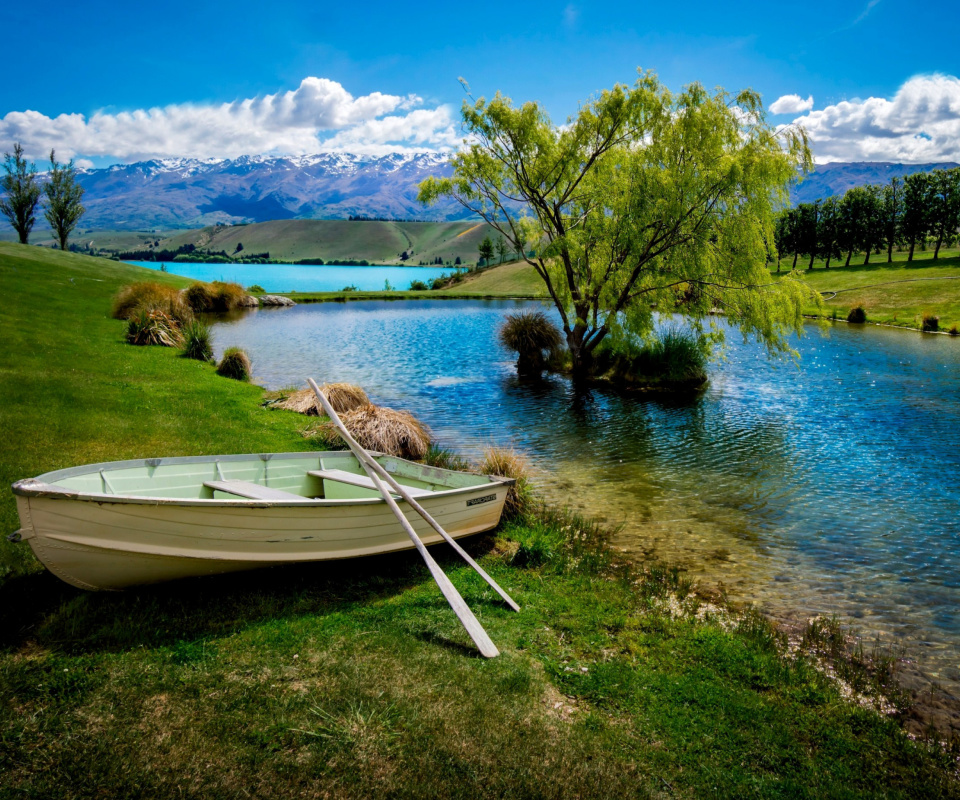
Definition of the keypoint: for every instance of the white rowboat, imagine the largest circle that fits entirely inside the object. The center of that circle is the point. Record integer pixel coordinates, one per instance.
(125, 523)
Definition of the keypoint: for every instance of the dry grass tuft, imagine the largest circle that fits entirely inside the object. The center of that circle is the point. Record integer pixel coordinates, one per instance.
(510, 464)
(151, 326)
(216, 296)
(235, 364)
(343, 397)
(151, 296)
(387, 430)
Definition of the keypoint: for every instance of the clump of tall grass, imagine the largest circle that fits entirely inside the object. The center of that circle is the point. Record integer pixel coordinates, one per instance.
(342, 396)
(930, 323)
(150, 295)
(386, 430)
(533, 337)
(235, 363)
(197, 341)
(445, 458)
(216, 296)
(510, 464)
(151, 326)
(954, 330)
(256, 289)
(857, 315)
(672, 357)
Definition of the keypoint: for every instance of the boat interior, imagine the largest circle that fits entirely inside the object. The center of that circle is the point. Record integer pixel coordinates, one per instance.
(274, 477)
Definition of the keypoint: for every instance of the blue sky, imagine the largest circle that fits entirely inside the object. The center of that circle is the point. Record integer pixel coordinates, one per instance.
(116, 61)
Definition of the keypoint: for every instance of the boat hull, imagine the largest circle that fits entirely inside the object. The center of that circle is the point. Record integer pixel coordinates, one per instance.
(102, 543)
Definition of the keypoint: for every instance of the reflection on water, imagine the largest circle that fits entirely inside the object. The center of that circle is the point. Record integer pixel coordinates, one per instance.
(832, 486)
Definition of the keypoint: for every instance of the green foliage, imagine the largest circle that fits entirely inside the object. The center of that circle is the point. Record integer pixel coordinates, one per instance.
(256, 289)
(445, 458)
(387, 286)
(670, 357)
(857, 314)
(197, 340)
(930, 323)
(418, 286)
(641, 192)
(532, 336)
(350, 288)
(234, 363)
(485, 248)
(64, 194)
(22, 193)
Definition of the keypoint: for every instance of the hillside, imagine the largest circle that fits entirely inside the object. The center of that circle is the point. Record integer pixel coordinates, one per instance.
(835, 178)
(338, 240)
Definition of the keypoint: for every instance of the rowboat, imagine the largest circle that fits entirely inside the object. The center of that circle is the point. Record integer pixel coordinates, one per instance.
(118, 524)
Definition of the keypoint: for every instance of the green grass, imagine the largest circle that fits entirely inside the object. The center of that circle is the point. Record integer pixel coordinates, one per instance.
(894, 294)
(354, 679)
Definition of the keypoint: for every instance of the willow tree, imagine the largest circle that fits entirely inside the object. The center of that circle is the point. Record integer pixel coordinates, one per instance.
(645, 201)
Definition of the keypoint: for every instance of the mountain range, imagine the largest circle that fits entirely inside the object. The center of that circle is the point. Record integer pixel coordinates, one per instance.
(192, 193)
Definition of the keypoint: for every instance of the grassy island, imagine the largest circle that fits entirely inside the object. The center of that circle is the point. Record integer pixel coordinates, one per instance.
(354, 679)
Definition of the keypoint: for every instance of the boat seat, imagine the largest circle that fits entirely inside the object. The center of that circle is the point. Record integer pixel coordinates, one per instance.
(361, 480)
(252, 491)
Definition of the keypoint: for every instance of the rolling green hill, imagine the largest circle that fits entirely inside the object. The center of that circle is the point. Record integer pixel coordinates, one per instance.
(341, 240)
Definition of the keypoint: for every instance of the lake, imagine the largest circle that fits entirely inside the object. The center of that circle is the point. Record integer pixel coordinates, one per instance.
(303, 278)
(828, 486)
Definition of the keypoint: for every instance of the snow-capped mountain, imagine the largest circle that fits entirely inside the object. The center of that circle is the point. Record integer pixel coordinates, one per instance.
(188, 193)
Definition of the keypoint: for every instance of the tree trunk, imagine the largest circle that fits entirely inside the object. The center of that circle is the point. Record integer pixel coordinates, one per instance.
(936, 252)
(827, 265)
(849, 256)
(810, 265)
(795, 255)
(912, 243)
(890, 251)
(866, 256)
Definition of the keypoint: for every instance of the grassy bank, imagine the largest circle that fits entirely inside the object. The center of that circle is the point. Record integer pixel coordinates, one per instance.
(354, 679)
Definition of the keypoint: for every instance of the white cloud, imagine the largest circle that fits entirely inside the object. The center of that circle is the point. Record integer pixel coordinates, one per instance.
(920, 124)
(291, 122)
(791, 104)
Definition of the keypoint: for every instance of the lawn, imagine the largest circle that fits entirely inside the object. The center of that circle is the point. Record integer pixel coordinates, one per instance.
(354, 679)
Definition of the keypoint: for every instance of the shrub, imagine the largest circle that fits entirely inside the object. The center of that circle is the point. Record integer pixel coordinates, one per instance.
(510, 464)
(234, 364)
(930, 323)
(386, 430)
(954, 330)
(342, 396)
(672, 356)
(529, 334)
(216, 296)
(256, 289)
(150, 295)
(439, 282)
(197, 341)
(148, 326)
(857, 314)
(418, 286)
(350, 288)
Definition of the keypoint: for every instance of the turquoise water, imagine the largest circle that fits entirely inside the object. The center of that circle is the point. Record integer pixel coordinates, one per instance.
(300, 278)
(828, 486)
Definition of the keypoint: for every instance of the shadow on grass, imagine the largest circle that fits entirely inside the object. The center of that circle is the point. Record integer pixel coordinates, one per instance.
(41, 609)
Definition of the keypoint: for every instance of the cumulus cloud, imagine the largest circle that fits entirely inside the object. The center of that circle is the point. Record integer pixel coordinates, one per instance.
(318, 115)
(791, 104)
(920, 124)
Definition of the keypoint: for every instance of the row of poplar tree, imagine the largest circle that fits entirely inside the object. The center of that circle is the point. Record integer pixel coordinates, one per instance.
(22, 190)
(920, 208)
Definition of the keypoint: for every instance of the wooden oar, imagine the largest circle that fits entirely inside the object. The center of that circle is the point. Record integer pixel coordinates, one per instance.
(472, 625)
(369, 461)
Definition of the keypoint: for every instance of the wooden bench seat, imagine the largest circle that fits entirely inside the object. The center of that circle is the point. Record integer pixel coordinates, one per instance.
(363, 481)
(251, 491)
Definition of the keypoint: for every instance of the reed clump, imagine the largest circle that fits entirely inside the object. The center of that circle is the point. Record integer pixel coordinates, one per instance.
(509, 463)
(343, 397)
(857, 315)
(215, 296)
(151, 295)
(386, 430)
(235, 363)
(930, 323)
(197, 341)
(672, 358)
(151, 326)
(532, 336)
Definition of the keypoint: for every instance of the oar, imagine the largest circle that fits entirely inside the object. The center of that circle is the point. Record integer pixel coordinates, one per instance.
(473, 627)
(369, 461)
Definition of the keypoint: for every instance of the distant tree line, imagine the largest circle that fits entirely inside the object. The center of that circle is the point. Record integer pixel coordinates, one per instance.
(920, 208)
(22, 192)
(365, 218)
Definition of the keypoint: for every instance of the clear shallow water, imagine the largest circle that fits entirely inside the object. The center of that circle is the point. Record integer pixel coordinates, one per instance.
(828, 487)
(302, 278)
